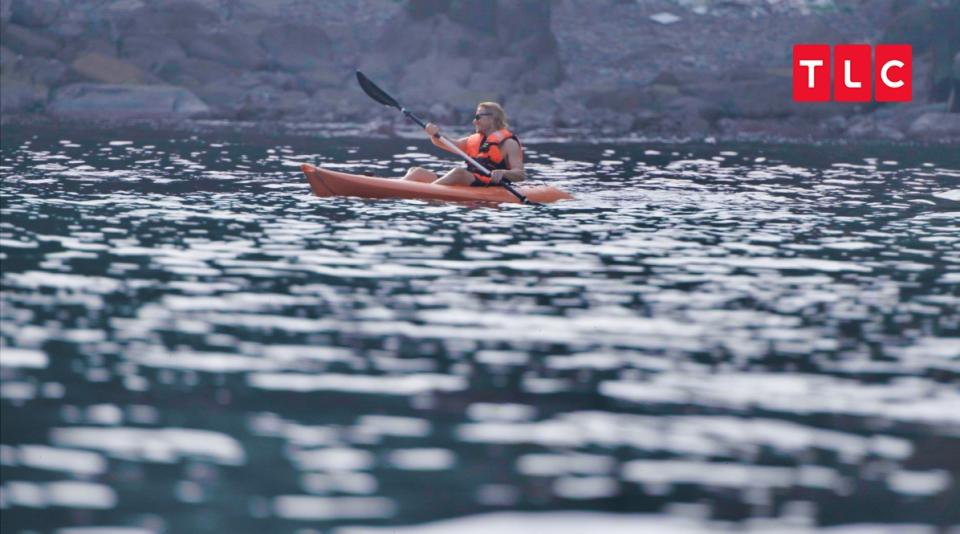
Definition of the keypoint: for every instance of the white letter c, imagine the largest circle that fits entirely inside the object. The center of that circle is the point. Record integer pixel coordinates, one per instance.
(883, 73)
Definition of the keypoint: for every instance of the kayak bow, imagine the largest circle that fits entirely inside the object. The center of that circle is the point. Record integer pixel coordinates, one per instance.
(327, 183)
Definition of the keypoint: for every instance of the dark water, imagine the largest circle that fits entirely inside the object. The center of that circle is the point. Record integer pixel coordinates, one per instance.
(708, 335)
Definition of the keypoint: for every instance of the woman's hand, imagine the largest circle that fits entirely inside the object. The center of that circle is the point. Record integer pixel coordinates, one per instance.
(432, 129)
(497, 176)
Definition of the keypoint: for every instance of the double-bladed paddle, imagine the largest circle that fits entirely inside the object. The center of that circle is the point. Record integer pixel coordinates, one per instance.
(382, 97)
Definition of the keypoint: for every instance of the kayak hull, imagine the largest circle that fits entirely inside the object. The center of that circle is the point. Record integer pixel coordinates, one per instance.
(327, 183)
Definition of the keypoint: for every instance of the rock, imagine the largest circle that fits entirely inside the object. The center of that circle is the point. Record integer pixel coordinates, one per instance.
(43, 71)
(100, 68)
(936, 126)
(901, 115)
(795, 128)
(312, 80)
(99, 45)
(296, 47)
(226, 100)
(17, 96)
(750, 98)
(869, 127)
(931, 28)
(267, 101)
(953, 102)
(336, 105)
(194, 73)
(436, 78)
(521, 20)
(749, 93)
(8, 58)
(232, 49)
(35, 13)
(451, 56)
(526, 25)
(664, 18)
(90, 100)
(625, 100)
(483, 16)
(248, 94)
(150, 51)
(421, 9)
(835, 126)
(922, 78)
(526, 110)
(28, 42)
(174, 18)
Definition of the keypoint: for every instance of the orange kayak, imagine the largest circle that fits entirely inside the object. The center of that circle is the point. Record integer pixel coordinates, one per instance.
(327, 183)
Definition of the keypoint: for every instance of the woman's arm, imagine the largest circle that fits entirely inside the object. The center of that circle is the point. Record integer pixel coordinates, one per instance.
(432, 131)
(514, 155)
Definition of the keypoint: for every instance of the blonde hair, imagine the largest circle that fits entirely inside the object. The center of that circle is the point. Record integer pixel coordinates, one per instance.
(499, 115)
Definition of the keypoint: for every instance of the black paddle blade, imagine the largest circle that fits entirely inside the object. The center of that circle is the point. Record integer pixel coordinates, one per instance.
(375, 92)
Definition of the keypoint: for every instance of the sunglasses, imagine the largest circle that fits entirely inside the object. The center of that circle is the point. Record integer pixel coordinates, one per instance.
(478, 115)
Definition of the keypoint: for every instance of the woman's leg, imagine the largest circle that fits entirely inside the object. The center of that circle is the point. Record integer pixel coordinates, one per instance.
(419, 174)
(456, 176)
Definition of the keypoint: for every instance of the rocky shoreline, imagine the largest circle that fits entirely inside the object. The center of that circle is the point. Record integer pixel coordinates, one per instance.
(659, 69)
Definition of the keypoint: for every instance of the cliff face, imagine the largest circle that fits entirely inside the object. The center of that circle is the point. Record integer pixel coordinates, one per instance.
(652, 67)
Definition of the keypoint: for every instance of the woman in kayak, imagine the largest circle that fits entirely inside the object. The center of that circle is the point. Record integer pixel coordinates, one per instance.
(493, 146)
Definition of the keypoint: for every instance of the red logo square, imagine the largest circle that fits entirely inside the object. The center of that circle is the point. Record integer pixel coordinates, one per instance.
(893, 74)
(851, 73)
(811, 73)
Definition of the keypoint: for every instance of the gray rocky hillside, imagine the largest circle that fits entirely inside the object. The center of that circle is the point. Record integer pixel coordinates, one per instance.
(688, 68)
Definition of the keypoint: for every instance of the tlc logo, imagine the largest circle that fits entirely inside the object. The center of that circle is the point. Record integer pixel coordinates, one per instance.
(852, 73)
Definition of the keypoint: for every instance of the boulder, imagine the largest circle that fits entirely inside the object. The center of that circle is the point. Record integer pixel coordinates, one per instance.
(268, 101)
(194, 73)
(8, 58)
(232, 49)
(421, 9)
(936, 126)
(296, 47)
(531, 110)
(27, 42)
(795, 128)
(43, 71)
(226, 99)
(100, 45)
(953, 102)
(872, 127)
(435, 78)
(176, 18)
(113, 101)
(17, 96)
(519, 20)
(324, 78)
(100, 68)
(450, 51)
(901, 115)
(622, 100)
(150, 51)
(35, 13)
(480, 16)
(249, 94)
(337, 105)
(526, 25)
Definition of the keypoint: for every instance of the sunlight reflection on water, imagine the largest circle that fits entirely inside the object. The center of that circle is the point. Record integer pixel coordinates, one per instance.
(706, 333)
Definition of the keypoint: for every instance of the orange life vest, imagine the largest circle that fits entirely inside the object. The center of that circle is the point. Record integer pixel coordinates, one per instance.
(486, 150)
